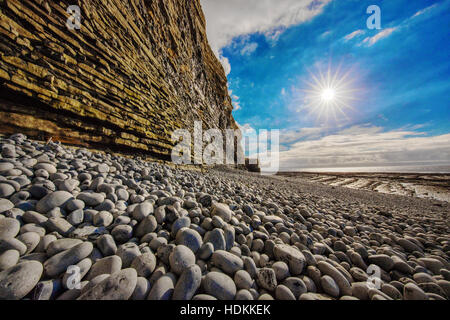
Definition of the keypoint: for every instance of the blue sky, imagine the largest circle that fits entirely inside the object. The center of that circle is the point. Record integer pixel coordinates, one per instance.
(397, 84)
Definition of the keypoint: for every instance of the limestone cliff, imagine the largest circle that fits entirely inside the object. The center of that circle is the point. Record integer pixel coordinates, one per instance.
(135, 71)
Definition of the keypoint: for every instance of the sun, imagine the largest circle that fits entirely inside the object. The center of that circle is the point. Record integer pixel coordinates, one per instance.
(328, 95)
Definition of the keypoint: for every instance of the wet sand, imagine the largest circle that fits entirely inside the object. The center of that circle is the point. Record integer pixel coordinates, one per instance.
(426, 186)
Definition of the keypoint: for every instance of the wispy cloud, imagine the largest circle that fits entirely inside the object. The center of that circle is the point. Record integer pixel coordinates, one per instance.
(235, 100)
(427, 9)
(370, 41)
(226, 20)
(249, 48)
(354, 34)
(292, 136)
(232, 18)
(325, 34)
(272, 36)
(359, 146)
(225, 64)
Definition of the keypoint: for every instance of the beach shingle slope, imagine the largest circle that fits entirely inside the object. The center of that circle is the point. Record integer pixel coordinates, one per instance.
(75, 224)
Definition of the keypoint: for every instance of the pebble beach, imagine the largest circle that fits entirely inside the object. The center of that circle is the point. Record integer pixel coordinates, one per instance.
(80, 224)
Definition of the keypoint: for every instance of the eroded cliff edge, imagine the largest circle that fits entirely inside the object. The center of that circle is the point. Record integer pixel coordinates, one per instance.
(133, 73)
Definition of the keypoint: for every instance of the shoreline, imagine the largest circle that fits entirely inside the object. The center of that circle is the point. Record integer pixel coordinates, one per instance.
(435, 186)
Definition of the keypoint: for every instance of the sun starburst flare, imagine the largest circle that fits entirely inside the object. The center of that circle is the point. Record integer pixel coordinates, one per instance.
(328, 96)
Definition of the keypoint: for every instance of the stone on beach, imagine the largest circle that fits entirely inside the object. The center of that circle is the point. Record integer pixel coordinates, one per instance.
(141, 230)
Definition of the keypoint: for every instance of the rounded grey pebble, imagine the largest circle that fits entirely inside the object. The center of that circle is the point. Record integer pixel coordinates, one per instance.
(147, 225)
(9, 228)
(118, 286)
(30, 239)
(122, 233)
(188, 283)
(382, 260)
(292, 257)
(281, 270)
(50, 168)
(222, 210)
(103, 219)
(34, 217)
(6, 190)
(128, 252)
(61, 261)
(107, 265)
(144, 264)
(60, 245)
(267, 279)
(60, 225)
(92, 283)
(203, 297)
(17, 281)
(205, 251)
(329, 286)
(91, 199)
(265, 296)
(8, 259)
(189, 238)
(283, 293)
(142, 210)
(163, 288)
(84, 267)
(217, 238)
(106, 245)
(5, 205)
(413, 292)
(250, 266)
(338, 277)
(181, 258)
(227, 262)
(219, 285)
(157, 242)
(76, 217)
(13, 244)
(296, 285)
(243, 280)
(142, 289)
(244, 294)
(53, 200)
(75, 204)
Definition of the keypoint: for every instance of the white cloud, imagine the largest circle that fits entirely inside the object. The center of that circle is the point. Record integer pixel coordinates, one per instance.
(226, 64)
(326, 34)
(227, 19)
(420, 12)
(273, 35)
(283, 91)
(246, 127)
(235, 100)
(236, 105)
(366, 146)
(249, 48)
(370, 41)
(354, 34)
(291, 136)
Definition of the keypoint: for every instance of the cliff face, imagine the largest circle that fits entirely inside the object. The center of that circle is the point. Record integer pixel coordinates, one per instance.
(133, 73)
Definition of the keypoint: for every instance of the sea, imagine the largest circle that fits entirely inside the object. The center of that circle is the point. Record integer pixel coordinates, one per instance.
(384, 169)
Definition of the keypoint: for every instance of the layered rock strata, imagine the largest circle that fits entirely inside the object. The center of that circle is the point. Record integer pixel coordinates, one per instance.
(134, 72)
